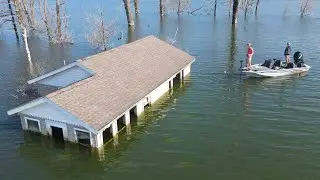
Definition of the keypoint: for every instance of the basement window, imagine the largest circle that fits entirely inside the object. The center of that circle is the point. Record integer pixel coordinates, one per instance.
(83, 137)
(33, 124)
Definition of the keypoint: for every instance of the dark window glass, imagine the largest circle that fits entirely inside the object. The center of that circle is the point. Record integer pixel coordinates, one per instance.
(33, 125)
(83, 137)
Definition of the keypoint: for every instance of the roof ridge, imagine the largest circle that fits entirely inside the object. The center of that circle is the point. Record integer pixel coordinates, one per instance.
(119, 47)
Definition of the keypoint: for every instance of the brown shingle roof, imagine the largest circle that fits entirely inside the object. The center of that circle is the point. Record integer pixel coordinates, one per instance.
(124, 75)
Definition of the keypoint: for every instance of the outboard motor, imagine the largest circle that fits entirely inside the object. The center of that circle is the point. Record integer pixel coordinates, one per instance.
(298, 59)
(277, 63)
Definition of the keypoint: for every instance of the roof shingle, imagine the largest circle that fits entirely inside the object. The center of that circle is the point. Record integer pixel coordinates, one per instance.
(124, 75)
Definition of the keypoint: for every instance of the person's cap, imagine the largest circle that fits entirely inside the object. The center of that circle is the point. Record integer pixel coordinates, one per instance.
(288, 43)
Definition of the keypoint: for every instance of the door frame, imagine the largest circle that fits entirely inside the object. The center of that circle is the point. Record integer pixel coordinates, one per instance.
(58, 125)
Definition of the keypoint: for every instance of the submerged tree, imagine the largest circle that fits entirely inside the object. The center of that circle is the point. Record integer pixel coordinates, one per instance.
(176, 5)
(215, 7)
(161, 7)
(306, 7)
(128, 12)
(8, 15)
(246, 5)
(25, 23)
(59, 34)
(99, 31)
(230, 5)
(136, 6)
(235, 11)
(257, 7)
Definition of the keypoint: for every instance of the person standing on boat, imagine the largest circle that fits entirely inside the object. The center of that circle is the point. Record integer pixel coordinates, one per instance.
(287, 52)
(250, 53)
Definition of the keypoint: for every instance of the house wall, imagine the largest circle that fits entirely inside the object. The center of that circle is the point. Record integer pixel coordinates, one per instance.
(187, 70)
(159, 91)
(49, 111)
(68, 129)
(67, 77)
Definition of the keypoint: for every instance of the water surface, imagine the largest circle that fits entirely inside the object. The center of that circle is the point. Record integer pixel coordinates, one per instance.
(217, 125)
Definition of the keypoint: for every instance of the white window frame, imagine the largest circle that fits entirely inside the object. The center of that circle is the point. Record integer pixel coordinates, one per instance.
(32, 119)
(82, 130)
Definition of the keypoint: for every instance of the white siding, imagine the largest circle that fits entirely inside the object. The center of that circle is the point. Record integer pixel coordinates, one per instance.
(66, 77)
(187, 70)
(159, 91)
(49, 111)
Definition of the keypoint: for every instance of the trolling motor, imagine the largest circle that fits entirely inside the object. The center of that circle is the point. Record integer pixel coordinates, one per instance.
(241, 65)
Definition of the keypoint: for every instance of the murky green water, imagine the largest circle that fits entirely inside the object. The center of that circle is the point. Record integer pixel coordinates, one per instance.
(215, 126)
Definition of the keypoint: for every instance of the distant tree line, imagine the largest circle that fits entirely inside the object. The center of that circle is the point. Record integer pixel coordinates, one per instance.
(38, 18)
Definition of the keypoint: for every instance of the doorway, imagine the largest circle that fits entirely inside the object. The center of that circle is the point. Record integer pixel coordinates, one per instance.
(107, 135)
(57, 133)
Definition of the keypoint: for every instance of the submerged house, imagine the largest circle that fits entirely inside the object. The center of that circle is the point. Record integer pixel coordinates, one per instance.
(99, 93)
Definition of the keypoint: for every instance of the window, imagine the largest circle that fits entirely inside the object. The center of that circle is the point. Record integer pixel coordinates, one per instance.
(83, 137)
(33, 125)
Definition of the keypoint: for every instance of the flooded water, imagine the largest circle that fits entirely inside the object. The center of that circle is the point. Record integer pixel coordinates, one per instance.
(217, 125)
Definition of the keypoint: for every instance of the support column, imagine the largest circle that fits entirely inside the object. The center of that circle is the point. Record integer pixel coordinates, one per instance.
(181, 75)
(139, 108)
(99, 140)
(114, 128)
(171, 83)
(128, 129)
(127, 118)
(187, 70)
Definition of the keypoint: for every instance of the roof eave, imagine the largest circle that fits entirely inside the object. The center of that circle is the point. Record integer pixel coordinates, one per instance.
(66, 67)
(26, 106)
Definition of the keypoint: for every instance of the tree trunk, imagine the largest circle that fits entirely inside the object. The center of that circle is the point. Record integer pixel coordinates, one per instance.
(128, 12)
(246, 7)
(103, 33)
(257, 7)
(18, 12)
(215, 7)
(59, 34)
(161, 8)
(46, 21)
(136, 6)
(31, 6)
(235, 10)
(13, 21)
(230, 5)
(25, 38)
(27, 14)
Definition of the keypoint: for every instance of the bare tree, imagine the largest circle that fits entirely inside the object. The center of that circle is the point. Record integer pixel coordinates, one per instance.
(306, 7)
(215, 7)
(176, 5)
(161, 7)
(59, 34)
(246, 5)
(136, 6)
(98, 32)
(25, 39)
(128, 12)
(286, 7)
(48, 24)
(230, 5)
(32, 15)
(257, 7)
(24, 26)
(235, 11)
(7, 15)
(57, 30)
